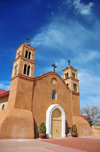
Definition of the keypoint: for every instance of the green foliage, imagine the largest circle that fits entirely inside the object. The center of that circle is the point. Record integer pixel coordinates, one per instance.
(42, 128)
(74, 129)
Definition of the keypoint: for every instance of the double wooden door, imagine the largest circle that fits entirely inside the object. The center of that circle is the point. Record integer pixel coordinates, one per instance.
(56, 123)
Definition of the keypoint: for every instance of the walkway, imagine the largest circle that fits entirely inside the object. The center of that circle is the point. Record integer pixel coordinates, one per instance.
(69, 144)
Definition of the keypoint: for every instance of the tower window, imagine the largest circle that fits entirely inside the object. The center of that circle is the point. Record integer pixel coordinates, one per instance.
(75, 87)
(29, 55)
(15, 70)
(66, 75)
(25, 68)
(53, 95)
(73, 75)
(19, 54)
(3, 107)
(28, 70)
(26, 54)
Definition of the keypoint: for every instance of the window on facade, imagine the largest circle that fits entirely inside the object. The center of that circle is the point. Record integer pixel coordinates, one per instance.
(15, 70)
(29, 55)
(3, 107)
(73, 75)
(28, 70)
(19, 54)
(25, 68)
(26, 54)
(75, 87)
(53, 95)
(66, 75)
(67, 84)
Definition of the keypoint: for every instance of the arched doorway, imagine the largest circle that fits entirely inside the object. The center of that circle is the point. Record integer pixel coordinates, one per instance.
(56, 123)
(55, 112)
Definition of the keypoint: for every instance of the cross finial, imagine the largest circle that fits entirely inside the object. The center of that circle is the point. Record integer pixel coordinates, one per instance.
(54, 66)
(27, 38)
(69, 62)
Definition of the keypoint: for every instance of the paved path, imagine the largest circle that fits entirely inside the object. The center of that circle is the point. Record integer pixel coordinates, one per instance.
(51, 145)
(89, 144)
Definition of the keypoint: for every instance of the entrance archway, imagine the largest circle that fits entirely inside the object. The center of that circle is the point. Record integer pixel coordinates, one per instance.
(53, 111)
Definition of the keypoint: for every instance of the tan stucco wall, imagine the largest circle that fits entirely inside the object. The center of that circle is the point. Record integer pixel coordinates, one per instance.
(95, 132)
(16, 123)
(42, 97)
(75, 105)
(83, 127)
(21, 93)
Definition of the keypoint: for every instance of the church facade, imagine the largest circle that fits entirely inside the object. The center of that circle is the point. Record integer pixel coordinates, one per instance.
(47, 98)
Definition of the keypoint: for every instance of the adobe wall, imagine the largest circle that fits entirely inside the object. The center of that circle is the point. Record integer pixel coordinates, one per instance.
(16, 124)
(75, 104)
(83, 127)
(21, 93)
(42, 98)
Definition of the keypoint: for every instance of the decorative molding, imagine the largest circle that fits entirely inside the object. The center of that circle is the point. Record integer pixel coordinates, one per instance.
(72, 79)
(25, 45)
(23, 76)
(51, 73)
(25, 59)
(70, 67)
(76, 93)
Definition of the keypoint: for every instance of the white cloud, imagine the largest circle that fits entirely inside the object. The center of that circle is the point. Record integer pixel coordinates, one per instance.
(5, 85)
(87, 57)
(89, 82)
(82, 8)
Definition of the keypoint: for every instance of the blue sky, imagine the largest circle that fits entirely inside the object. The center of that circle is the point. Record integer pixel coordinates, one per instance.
(59, 30)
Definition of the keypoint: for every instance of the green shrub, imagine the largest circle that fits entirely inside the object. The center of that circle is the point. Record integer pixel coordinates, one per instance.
(42, 128)
(74, 129)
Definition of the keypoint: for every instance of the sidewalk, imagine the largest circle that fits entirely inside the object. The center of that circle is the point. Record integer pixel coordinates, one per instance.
(68, 144)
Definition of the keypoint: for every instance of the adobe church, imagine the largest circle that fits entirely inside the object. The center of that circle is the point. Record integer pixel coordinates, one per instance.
(47, 98)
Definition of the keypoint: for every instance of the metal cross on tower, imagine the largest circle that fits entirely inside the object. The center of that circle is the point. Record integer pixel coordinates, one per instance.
(69, 62)
(54, 66)
(27, 38)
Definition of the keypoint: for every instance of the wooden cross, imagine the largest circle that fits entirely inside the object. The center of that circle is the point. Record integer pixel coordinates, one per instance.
(69, 62)
(54, 66)
(27, 38)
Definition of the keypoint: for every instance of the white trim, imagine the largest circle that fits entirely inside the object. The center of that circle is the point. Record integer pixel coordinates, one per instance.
(48, 119)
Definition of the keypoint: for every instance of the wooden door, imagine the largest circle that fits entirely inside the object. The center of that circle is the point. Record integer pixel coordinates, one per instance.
(56, 124)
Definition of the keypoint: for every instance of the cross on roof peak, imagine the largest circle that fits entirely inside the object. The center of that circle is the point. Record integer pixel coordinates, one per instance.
(27, 38)
(54, 66)
(69, 62)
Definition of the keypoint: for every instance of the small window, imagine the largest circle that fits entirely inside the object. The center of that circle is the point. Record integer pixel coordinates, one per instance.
(53, 95)
(26, 54)
(28, 70)
(67, 84)
(19, 54)
(3, 107)
(25, 68)
(15, 70)
(73, 75)
(75, 87)
(66, 75)
(29, 55)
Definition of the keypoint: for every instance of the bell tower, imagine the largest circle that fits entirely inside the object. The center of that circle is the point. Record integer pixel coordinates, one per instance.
(22, 77)
(70, 78)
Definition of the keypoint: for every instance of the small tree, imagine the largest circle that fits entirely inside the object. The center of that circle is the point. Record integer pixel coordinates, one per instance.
(74, 129)
(42, 128)
(93, 112)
